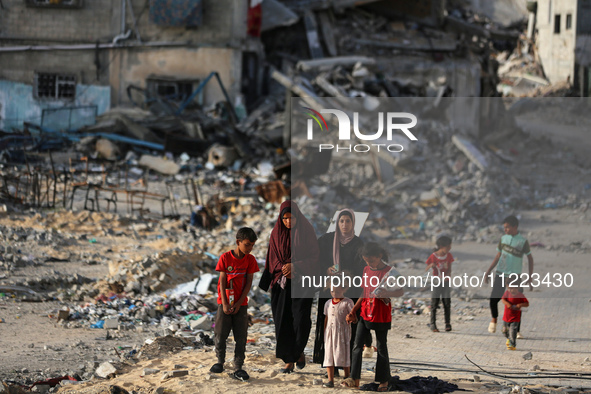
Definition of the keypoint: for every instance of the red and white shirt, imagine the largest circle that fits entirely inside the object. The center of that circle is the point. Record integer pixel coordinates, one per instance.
(236, 270)
(374, 309)
(441, 265)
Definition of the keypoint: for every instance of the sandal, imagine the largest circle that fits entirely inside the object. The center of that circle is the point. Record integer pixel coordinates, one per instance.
(448, 327)
(434, 328)
(382, 388)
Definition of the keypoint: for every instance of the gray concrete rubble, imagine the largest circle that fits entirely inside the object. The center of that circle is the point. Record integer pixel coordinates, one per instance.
(118, 230)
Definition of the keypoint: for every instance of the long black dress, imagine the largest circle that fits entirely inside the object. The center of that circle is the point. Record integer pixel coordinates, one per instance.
(351, 261)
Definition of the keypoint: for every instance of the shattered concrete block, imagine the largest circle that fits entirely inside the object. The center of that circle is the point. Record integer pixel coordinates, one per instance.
(150, 371)
(163, 166)
(111, 324)
(175, 374)
(203, 323)
(41, 388)
(527, 356)
(105, 370)
(179, 372)
(107, 149)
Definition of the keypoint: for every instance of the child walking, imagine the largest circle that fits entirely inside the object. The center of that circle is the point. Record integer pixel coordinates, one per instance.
(440, 262)
(376, 314)
(236, 268)
(337, 334)
(514, 300)
(509, 263)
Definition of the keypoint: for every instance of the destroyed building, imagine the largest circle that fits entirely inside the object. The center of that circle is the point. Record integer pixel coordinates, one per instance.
(564, 41)
(63, 62)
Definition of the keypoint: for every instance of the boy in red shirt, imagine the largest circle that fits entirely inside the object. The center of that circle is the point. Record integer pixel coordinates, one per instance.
(514, 300)
(236, 269)
(440, 261)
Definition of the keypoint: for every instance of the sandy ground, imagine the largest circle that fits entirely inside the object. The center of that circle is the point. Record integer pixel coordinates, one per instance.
(32, 341)
(557, 324)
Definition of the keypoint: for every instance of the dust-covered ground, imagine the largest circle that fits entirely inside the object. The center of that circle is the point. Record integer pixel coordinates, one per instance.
(66, 256)
(555, 327)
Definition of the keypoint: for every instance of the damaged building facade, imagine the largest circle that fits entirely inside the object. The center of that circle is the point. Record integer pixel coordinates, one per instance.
(62, 62)
(564, 40)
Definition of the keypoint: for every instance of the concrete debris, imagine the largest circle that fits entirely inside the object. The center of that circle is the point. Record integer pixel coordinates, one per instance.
(150, 371)
(527, 356)
(275, 14)
(327, 64)
(471, 151)
(106, 370)
(159, 164)
(174, 374)
(221, 156)
(214, 171)
(107, 149)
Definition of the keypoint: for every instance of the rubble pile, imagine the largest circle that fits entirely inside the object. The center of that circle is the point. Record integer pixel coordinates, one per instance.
(222, 171)
(155, 273)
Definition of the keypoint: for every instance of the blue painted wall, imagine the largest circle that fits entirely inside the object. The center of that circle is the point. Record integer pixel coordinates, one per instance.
(18, 105)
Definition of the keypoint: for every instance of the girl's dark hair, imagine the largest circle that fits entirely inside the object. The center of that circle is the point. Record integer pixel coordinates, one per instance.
(443, 241)
(372, 249)
(345, 213)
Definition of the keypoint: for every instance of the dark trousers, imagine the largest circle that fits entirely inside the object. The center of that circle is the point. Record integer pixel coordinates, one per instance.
(511, 330)
(238, 323)
(383, 361)
(443, 293)
(498, 289)
(292, 322)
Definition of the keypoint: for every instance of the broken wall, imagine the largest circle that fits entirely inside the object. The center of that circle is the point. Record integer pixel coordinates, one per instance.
(135, 65)
(215, 45)
(18, 100)
(223, 23)
(556, 42)
(21, 66)
(502, 12)
(93, 21)
(461, 75)
(18, 105)
(428, 12)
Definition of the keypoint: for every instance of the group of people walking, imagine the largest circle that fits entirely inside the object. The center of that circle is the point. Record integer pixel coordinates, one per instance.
(343, 325)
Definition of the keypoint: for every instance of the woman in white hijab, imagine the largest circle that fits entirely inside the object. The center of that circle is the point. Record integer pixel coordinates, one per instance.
(339, 252)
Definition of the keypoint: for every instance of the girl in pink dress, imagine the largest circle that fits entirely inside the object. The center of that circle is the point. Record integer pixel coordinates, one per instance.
(337, 334)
